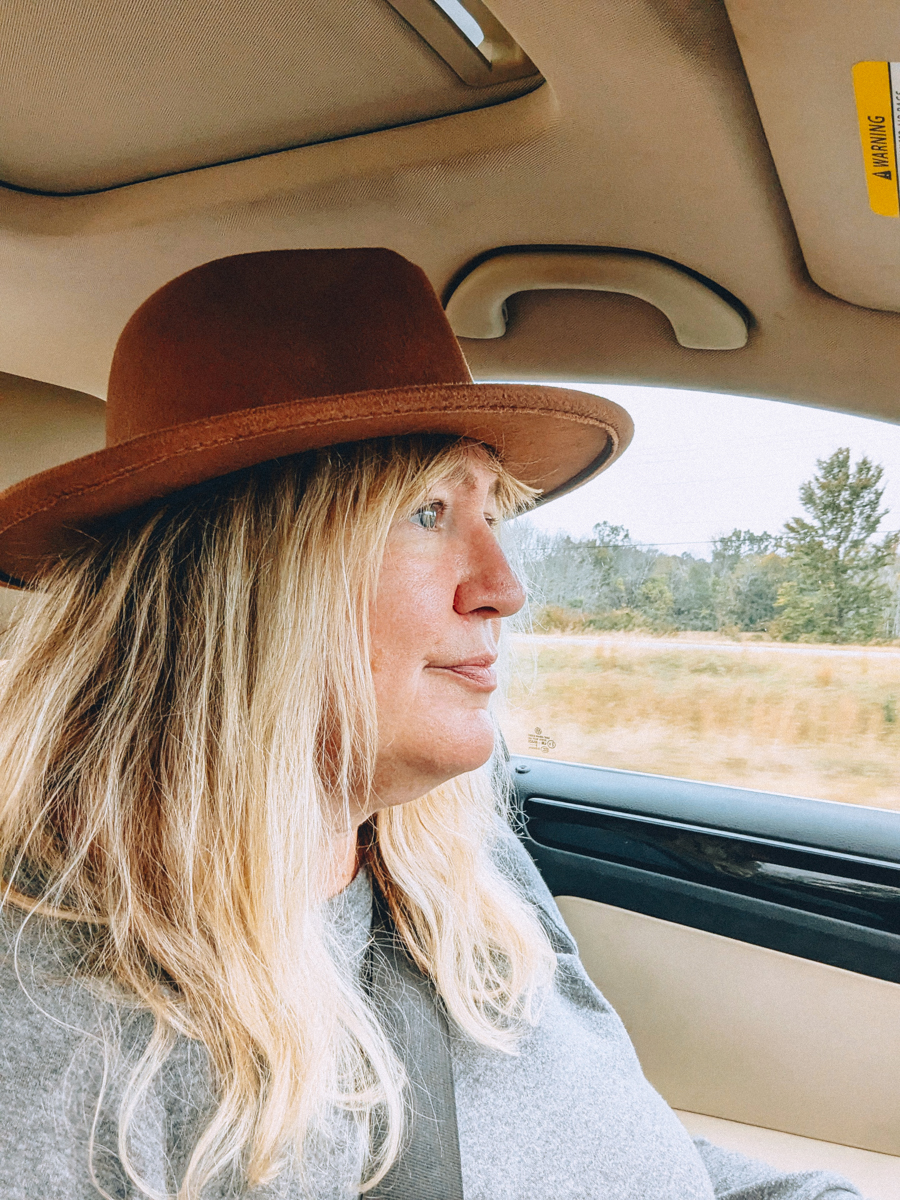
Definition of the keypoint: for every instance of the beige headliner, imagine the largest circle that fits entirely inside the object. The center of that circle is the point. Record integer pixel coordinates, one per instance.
(645, 136)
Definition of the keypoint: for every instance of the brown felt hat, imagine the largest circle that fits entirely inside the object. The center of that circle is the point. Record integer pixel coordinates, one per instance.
(259, 356)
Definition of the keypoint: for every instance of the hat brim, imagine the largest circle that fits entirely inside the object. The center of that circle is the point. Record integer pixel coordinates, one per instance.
(551, 438)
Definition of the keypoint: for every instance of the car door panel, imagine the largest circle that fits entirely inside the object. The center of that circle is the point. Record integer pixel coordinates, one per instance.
(746, 1033)
(751, 944)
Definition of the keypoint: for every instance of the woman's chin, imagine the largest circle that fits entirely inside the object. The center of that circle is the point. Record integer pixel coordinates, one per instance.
(471, 752)
(400, 782)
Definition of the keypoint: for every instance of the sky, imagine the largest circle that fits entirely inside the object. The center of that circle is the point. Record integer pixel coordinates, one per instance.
(702, 464)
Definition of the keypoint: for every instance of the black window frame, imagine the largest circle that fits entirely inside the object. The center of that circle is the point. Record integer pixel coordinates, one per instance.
(812, 878)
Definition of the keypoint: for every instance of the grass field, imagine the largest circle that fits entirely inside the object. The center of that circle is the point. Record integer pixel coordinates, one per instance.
(807, 722)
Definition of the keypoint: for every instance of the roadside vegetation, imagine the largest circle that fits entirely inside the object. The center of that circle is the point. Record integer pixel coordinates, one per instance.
(826, 577)
(805, 721)
(692, 667)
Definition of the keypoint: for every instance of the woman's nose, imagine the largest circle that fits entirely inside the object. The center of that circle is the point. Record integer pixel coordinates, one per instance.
(489, 584)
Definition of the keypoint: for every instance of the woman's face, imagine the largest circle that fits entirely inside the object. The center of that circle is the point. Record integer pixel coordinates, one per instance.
(443, 588)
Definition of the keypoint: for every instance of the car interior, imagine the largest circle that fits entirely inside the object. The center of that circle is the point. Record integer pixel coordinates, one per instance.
(682, 193)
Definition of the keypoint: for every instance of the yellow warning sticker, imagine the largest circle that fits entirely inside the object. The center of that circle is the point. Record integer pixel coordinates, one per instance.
(877, 88)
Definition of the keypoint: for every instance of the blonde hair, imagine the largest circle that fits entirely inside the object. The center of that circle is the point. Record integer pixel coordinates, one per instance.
(186, 711)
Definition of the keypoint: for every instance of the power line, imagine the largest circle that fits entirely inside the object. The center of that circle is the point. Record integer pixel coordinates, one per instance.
(685, 542)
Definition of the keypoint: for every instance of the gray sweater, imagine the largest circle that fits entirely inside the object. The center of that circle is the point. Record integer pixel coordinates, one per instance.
(570, 1117)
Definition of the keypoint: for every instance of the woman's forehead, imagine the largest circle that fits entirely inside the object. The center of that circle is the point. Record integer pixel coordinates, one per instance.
(474, 465)
(475, 473)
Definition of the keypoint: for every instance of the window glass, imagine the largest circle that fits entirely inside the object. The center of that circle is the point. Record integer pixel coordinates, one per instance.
(723, 604)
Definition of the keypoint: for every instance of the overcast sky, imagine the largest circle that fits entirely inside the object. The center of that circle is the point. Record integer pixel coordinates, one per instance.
(702, 464)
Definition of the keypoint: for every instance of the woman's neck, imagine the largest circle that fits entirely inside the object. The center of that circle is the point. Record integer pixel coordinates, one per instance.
(345, 864)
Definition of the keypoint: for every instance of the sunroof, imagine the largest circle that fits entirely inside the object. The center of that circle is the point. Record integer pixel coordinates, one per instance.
(463, 20)
(470, 40)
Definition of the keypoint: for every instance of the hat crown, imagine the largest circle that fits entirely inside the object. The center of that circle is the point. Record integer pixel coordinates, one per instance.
(277, 326)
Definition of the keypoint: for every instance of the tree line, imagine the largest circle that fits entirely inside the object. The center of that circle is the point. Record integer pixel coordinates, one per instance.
(825, 577)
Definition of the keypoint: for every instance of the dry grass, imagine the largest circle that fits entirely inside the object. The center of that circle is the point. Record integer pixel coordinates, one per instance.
(807, 724)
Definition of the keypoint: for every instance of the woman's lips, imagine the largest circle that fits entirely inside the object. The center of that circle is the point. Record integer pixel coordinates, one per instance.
(481, 673)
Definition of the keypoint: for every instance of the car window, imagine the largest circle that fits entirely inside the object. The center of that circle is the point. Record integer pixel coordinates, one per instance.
(722, 606)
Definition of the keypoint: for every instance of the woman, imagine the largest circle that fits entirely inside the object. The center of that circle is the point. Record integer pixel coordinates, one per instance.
(246, 708)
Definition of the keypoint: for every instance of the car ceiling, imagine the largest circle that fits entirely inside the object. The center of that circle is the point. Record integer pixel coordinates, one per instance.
(720, 137)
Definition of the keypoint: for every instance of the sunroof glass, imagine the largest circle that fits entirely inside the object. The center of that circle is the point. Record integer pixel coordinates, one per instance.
(464, 21)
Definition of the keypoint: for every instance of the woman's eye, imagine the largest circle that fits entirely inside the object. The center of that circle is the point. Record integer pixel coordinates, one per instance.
(428, 515)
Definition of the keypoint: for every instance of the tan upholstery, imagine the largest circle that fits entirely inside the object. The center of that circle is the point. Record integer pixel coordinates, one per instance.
(748, 1034)
(877, 1176)
(44, 426)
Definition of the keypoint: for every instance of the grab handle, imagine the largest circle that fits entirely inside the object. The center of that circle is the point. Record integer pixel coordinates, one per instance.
(701, 318)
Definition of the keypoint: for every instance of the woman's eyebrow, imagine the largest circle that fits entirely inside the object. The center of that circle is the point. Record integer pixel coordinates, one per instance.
(471, 481)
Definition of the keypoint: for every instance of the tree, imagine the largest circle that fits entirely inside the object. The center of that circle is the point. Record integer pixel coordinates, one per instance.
(837, 592)
(731, 548)
(656, 602)
(748, 573)
(690, 581)
(746, 598)
(620, 567)
(611, 536)
(599, 577)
